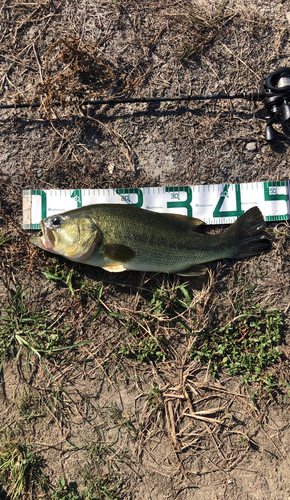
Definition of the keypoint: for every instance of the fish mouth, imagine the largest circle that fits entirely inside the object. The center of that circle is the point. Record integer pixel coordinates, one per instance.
(46, 241)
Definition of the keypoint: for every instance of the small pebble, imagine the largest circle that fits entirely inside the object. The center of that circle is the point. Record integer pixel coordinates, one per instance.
(251, 146)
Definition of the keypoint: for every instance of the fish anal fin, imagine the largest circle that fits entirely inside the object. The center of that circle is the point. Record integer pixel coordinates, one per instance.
(116, 252)
(195, 270)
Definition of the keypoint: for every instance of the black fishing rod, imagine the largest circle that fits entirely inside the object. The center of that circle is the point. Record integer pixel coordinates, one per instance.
(274, 92)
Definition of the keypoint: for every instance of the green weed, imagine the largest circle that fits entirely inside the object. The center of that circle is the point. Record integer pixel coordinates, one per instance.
(21, 326)
(171, 302)
(95, 291)
(61, 275)
(139, 344)
(120, 420)
(65, 492)
(97, 474)
(3, 239)
(168, 299)
(19, 465)
(24, 329)
(154, 397)
(170, 305)
(246, 346)
(30, 407)
(99, 485)
(74, 281)
(56, 402)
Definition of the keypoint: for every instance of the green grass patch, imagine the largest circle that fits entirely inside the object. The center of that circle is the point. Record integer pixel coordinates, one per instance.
(169, 307)
(73, 280)
(63, 491)
(247, 346)
(140, 344)
(99, 485)
(61, 275)
(23, 327)
(19, 467)
(154, 396)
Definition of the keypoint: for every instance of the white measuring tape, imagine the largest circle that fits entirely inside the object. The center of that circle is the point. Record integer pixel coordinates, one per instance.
(214, 204)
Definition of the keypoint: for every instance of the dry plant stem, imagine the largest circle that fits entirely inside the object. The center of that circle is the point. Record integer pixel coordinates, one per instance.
(111, 382)
(171, 424)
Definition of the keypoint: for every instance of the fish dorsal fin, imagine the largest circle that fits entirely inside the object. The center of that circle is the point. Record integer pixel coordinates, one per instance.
(195, 270)
(191, 222)
(118, 253)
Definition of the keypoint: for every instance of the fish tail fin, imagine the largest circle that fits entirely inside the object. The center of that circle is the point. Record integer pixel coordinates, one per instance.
(248, 235)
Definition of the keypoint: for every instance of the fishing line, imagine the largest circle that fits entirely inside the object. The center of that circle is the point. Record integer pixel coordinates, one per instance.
(274, 92)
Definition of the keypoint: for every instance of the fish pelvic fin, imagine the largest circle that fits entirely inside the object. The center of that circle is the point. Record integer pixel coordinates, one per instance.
(195, 270)
(114, 268)
(247, 234)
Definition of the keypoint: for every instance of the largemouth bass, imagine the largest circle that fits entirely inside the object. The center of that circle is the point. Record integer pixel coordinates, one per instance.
(122, 237)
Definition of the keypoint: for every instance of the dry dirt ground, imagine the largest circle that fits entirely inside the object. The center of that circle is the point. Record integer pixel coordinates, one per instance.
(125, 411)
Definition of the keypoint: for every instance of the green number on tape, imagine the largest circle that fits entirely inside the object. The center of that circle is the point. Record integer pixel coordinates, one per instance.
(128, 191)
(77, 195)
(270, 191)
(180, 204)
(229, 213)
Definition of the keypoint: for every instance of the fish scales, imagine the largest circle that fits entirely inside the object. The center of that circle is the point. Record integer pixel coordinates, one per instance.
(123, 237)
(165, 243)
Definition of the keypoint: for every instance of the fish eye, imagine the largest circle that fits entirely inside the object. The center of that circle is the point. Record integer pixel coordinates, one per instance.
(56, 221)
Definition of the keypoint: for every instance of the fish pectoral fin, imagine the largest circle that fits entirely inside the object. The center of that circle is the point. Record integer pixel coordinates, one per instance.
(195, 270)
(119, 253)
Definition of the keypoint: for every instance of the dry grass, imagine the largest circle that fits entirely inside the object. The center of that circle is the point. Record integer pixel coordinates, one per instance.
(128, 398)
